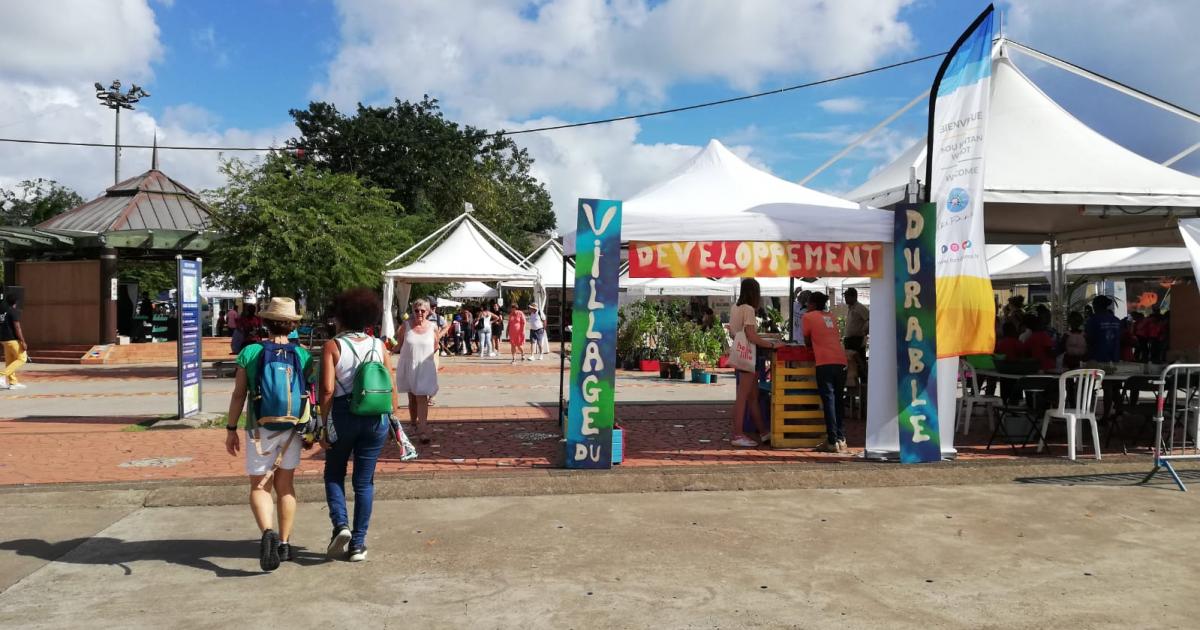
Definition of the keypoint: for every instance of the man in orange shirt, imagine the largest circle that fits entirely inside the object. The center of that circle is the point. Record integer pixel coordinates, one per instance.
(822, 335)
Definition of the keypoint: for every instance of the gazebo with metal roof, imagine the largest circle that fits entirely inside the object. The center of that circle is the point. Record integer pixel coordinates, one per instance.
(148, 217)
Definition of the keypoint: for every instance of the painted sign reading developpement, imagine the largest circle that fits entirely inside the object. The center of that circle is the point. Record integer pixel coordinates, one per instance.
(590, 414)
(754, 259)
(190, 353)
(916, 334)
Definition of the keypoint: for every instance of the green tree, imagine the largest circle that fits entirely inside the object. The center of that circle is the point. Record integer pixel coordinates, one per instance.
(35, 200)
(300, 229)
(431, 164)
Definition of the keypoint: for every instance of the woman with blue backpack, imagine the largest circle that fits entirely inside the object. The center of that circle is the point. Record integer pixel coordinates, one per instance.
(357, 399)
(272, 388)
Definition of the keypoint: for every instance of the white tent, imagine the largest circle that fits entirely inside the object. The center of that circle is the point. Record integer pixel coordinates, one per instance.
(474, 291)
(1049, 177)
(547, 259)
(717, 196)
(700, 287)
(463, 250)
(1104, 263)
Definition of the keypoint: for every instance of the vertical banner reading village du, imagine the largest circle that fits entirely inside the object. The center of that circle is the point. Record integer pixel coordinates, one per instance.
(916, 343)
(954, 176)
(590, 414)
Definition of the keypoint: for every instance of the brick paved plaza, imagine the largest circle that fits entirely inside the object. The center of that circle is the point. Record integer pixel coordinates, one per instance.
(80, 424)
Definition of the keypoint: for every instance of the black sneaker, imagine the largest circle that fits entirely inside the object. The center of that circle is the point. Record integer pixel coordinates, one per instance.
(357, 554)
(287, 553)
(338, 542)
(268, 551)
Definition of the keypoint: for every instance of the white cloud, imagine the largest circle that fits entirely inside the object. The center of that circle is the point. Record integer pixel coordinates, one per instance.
(72, 115)
(845, 105)
(514, 59)
(497, 63)
(49, 56)
(886, 144)
(51, 42)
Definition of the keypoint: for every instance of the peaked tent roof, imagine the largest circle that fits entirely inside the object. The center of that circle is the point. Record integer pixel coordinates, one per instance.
(1044, 167)
(463, 255)
(718, 196)
(549, 263)
(473, 291)
(150, 201)
(1105, 263)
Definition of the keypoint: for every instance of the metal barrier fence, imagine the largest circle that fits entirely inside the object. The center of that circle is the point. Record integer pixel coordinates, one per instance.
(1176, 419)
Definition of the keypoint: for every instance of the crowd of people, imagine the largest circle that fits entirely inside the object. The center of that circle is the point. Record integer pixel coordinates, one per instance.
(479, 330)
(1093, 334)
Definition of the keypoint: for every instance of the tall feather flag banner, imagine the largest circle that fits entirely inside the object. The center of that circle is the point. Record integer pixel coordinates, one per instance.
(966, 312)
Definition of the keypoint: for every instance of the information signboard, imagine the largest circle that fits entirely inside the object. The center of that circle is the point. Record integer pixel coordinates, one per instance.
(190, 353)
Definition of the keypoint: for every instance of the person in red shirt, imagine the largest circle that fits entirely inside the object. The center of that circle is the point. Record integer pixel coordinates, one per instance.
(822, 335)
(1009, 345)
(1040, 346)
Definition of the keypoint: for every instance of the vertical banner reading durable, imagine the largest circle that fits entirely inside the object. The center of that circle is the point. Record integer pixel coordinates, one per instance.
(190, 352)
(954, 177)
(590, 413)
(916, 341)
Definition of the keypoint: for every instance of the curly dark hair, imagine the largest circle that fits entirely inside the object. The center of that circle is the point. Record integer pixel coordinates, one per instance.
(357, 308)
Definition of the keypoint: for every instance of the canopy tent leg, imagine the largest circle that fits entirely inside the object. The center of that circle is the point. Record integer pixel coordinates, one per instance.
(791, 307)
(562, 347)
(389, 295)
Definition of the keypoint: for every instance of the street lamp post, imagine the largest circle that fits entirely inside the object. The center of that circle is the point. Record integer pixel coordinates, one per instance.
(112, 98)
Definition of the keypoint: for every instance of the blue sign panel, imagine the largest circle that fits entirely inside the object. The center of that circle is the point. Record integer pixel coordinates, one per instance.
(191, 352)
(916, 338)
(590, 414)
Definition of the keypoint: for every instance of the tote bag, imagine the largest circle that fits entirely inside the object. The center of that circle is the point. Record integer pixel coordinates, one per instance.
(742, 354)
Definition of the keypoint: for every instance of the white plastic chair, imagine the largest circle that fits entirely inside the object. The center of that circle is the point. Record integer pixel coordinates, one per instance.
(1085, 384)
(972, 396)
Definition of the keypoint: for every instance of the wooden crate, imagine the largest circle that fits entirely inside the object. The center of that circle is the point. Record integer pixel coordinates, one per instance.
(797, 419)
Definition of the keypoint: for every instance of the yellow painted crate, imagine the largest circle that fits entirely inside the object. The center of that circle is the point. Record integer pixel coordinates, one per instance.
(797, 419)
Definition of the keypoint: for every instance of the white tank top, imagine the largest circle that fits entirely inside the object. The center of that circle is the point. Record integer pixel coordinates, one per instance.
(347, 364)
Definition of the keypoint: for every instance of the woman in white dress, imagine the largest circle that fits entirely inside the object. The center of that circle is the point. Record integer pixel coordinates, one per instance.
(416, 369)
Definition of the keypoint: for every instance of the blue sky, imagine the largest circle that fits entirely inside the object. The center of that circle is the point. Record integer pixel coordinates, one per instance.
(226, 72)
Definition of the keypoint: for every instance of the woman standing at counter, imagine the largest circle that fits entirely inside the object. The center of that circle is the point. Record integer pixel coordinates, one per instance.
(743, 320)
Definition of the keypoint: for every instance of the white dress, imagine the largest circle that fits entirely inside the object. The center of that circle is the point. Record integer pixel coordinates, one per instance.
(416, 370)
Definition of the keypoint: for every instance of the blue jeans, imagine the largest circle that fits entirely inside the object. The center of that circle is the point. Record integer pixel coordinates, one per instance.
(485, 342)
(363, 438)
(831, 383)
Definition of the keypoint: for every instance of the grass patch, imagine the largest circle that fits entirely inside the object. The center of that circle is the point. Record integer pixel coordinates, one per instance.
(218, 422)
(141, 426)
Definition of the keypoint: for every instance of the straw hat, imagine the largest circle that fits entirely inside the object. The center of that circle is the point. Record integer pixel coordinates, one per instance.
(280, 309)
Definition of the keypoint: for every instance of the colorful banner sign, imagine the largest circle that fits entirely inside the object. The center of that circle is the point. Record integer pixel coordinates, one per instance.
(954, 176)
(916, 341)
(590, 413)
(190, 351)
(754, 259)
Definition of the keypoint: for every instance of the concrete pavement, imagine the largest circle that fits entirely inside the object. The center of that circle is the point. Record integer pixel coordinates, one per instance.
(1023, 556)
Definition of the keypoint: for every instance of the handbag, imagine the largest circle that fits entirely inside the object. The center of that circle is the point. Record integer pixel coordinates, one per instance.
(742, 354)
(408, 452)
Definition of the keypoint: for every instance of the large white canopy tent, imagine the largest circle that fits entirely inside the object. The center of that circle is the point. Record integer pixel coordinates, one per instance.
(1051, 178)
(463, 250)
(717, 196)
(1048, 178)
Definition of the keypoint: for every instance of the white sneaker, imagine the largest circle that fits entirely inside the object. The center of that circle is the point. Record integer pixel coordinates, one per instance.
(17, 386)
(3, 382)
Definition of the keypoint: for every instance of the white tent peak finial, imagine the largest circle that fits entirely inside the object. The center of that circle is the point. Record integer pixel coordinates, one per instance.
(468, 208)
(154, 153)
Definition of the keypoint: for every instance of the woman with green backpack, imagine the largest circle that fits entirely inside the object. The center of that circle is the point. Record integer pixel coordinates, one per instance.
(357, 398)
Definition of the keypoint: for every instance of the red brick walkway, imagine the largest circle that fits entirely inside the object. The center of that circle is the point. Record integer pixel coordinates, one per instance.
(465, 439)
